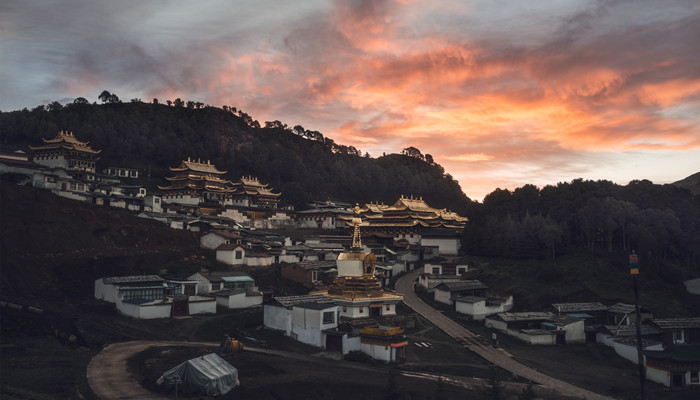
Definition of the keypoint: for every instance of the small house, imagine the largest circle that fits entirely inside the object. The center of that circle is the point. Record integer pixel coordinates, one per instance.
(304, 318)
(448, 241)
(231, 254)
(447, 292)
(480, 307)
(216, 238)
(677, 331)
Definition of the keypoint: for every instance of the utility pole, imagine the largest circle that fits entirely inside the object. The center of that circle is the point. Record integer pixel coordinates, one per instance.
(634, 271)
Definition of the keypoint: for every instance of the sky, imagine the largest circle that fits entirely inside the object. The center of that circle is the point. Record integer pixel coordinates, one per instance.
(500, 93)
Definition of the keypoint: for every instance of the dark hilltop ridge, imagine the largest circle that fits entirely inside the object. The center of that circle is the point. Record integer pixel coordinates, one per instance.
(302, 164)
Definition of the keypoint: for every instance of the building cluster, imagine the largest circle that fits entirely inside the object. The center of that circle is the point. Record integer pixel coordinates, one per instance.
(354, 313)
(198, 196)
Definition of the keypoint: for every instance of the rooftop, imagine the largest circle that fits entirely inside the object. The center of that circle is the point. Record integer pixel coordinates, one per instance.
(579, 307)
(117, 280)
(289, 301)
(526, 316)
(677, 323)
(462, 285)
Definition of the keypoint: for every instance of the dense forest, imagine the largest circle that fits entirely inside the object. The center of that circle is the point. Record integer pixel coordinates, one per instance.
(659, 222)
(301, 164)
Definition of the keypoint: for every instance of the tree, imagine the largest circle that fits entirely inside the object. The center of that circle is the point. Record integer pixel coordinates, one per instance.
(179, 102)
(105, 96)
(80, 100)
(54, 106)
(155, 100)
(413, 152)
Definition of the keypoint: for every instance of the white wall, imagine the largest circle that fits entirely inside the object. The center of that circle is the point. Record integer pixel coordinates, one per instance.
(629, 351)
(202, 305)
(443, 296)
(658, 376)
(279, 318)
(377, 352)
(228, 257)
(152, 310)
(448, 247)
(575, 332)
(104, 291)
(479, 310)
(351, 343)
(239, 300)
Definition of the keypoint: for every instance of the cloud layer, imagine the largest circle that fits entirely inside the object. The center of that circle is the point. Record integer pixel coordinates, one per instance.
(500, 93)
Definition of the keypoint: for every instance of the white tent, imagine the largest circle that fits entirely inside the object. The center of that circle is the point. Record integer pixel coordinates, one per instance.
(210, 375)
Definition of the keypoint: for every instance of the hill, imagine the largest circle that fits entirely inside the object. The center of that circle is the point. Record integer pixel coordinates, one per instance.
(302, 164)
(54, 248)
(691, 183)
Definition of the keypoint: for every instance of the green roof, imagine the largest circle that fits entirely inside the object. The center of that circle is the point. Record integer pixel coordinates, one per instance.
(237, 279)
(676, 353)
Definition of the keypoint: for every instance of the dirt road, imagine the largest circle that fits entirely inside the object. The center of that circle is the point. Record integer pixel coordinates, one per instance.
(476, 344)
(108, 375)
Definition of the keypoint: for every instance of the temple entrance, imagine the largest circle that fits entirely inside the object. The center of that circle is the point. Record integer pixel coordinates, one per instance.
(334, 343)
(375, 310)
(677, 379)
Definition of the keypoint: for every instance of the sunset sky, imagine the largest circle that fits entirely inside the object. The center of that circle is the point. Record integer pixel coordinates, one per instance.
(501, 93)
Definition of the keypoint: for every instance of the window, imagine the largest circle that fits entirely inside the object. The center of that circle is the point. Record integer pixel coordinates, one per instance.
(362, 310)
(72, 186)
(678, 336)
(436, 270)
(388, 307)
(695, 376)
(461, 271)
(328, 317)
(314, 275)
(216, 286)
(345, 309)
(239, 254)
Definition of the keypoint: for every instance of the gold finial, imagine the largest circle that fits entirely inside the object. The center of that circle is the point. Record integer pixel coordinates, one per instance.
(356, 222)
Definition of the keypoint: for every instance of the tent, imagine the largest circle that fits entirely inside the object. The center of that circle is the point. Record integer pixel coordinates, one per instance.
(210, 375)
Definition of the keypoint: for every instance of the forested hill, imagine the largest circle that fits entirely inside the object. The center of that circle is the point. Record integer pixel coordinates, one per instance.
(660, 222)
(303, 165)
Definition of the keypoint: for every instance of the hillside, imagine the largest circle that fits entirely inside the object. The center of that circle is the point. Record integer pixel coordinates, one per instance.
(54, 248)
(302, 164)
(691, 183)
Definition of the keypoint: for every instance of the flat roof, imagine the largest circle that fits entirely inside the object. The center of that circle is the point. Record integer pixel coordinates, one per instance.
(116, 280)
(579, 307)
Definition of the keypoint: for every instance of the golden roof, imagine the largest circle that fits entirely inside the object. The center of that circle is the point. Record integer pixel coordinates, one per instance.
(65, 140)
(199, 166)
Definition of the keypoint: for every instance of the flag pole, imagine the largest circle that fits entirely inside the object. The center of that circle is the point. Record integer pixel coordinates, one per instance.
(634, 271)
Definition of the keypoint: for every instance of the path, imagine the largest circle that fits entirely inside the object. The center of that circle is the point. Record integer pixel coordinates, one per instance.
(477, 344)
(109, 377)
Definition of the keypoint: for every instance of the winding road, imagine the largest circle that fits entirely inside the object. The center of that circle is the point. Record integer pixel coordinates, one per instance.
(475, 343)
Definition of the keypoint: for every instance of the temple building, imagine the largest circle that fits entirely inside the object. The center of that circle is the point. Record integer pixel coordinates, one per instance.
(195, 182)
(249, 192)
(66, 152)
(357, 290)
(409, 215)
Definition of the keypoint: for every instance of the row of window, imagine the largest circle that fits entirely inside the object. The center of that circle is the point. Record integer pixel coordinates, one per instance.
(148, 294)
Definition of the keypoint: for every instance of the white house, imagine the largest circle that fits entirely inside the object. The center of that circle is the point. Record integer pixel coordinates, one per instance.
(214, 239)
(238, 298)
(539, 327)
(447, 292)
(479, 307)
(231, 254)
(304, 318)
(150, 296)
(215, 281)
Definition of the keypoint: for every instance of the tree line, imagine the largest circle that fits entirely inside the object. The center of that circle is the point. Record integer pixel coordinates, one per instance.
(659, 222)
